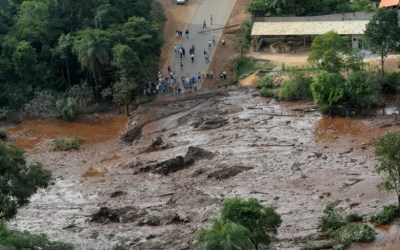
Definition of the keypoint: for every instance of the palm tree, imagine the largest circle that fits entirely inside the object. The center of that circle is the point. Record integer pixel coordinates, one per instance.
(223, 236)
(91, 48)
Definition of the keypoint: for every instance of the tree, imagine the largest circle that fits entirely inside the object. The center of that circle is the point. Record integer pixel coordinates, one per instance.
(122, 92)
(91, 48)
(328, 91)
(262, 222)
(297, 87)
(387, 151)
(362, 90)
(126, 61)
(223, 235)
(18, 180)
(64, 50)
(329, 51)
(24, 60)
(382, 34)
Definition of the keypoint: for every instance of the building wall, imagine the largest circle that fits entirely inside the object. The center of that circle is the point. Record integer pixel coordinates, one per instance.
(332, 17)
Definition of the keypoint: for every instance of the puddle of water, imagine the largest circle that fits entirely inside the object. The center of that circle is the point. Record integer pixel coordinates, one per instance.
(92, 130)
(327, 129)
(91, 172)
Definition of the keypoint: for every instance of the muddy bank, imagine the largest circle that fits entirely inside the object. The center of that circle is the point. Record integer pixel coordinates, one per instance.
(269, 151)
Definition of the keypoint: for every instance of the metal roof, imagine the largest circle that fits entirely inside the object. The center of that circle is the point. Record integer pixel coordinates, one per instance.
(356, 27)
(388, 3)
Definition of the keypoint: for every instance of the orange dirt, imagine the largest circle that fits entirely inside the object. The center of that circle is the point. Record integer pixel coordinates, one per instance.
(91, 172)
(92, 130)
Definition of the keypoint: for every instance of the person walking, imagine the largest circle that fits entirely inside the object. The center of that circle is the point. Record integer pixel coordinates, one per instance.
(187, 33)
(183, 51)
(213, 39)
(223, 42)
(206, 58)
(209, 44)
(205, 52)
(192, 57)
(204, 24)
(181, 63)
(211, 19)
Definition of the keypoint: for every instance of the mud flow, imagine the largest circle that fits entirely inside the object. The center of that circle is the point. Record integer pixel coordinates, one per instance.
(93, 130)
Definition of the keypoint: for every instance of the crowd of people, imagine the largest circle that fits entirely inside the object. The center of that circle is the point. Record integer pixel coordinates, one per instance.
(174, 83)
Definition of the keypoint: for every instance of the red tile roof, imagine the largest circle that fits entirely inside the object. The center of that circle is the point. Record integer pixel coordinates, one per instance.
(388, 3)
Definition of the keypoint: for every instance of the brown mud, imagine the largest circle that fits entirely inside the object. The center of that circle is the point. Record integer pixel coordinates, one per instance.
(92, 129)
(267, 150)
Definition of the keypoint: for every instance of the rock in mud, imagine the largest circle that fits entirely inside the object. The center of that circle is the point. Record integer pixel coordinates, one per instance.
(157, 142)
(195, 153)
(132, 134)
(213, 123)
(123, 215)
(165, 167)
(177, 163)
(118, 194)
(150, 220)
(228, 172)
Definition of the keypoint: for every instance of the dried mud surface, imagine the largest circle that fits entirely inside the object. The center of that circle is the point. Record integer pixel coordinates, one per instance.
(283, 154)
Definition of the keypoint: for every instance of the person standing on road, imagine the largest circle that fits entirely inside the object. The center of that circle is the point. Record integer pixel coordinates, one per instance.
(187, 33)
(204, 24)
(213, 39)
(206, 58)
(211, 19)
(192, 57)
(183, 51)
(209, 44)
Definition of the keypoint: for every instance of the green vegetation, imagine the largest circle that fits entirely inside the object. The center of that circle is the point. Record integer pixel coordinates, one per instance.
(3, 134)
(387, 153)
(223, 235)
(19, 181)
(329, 51)
(244, 224)
(120, 247)
(352, 232)
(243, 39)
(3, 113)
(343, 231)
(386, 215)
(297, 87)
(391, 83)
(10, 239)
(333, 92)
(48, 47)
(382, 34)
(266, 82)
(353, 217)
(331, 219)
(306, 7)
(267, 92)
(69, 143)
(246, 65)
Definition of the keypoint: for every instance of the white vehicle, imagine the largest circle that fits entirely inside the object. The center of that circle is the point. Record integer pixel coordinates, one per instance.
(180, 1)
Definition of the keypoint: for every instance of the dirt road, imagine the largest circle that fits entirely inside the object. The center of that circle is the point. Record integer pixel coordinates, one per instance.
(199, 37)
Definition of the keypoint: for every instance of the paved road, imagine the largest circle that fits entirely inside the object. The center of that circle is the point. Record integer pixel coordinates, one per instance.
(199, 37)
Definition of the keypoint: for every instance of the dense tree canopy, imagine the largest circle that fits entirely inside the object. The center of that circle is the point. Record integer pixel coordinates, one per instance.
(18, 180)
(306, 7)
(382, 34)
(55, 45)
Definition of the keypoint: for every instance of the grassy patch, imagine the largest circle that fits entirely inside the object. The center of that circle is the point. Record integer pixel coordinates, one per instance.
(386, 215)
(246, 65)
(64, 144)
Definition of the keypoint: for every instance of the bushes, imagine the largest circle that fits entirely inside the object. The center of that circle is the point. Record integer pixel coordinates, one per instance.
(67, 108)
(3, 134)
(266, 82)
(63, 144)
(42, 105)
(267, 93)
(386, 215)
(391, 83)
(3, 113)
(353, 233)
(23, 240)
(297, 87)
(331, 220)
(343, 231)
(353, 217)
